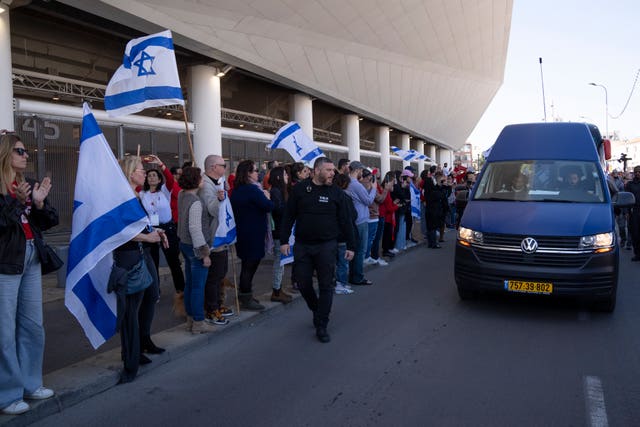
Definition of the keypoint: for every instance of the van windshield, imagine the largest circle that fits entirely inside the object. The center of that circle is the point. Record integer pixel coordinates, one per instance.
(541, 180)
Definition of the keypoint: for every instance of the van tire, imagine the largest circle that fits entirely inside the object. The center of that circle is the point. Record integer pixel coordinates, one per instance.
(467, 294)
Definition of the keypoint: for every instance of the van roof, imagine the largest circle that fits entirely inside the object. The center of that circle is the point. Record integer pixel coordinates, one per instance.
(547, 141)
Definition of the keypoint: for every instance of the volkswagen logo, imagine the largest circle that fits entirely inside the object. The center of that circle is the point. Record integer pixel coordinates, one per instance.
(529, 245)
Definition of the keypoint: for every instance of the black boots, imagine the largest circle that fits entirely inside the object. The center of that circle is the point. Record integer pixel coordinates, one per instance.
(147, 346)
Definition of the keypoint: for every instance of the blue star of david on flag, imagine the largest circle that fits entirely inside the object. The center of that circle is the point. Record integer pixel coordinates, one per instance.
(142, 71)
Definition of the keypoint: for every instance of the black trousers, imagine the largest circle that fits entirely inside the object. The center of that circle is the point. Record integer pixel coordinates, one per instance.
(217, 272)
(248, 269)
(387, 237)
(320, 257)
(172, 255)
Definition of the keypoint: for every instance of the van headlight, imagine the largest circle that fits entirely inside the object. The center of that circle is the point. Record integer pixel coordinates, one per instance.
(597, 241)
(469, 236)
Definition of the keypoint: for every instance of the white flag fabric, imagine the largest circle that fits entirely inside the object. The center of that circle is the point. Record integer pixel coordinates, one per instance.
(104, 217)
(415, 200)
(409, 155)
(226, 232)
(148, 77)
(290, 137)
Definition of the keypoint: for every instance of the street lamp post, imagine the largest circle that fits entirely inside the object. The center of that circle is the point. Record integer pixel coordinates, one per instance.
(606, 107)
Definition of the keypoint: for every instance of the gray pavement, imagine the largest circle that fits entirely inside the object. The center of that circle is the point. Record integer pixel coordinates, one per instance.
(77, 372)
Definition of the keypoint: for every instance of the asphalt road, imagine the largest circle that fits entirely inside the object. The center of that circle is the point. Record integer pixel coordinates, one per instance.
(404, 352)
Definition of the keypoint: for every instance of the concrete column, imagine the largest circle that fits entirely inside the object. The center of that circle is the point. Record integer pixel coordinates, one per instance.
(351, 135)
(404, 145)
(443, 156)
(382, 137)
(301, 111)
(420, 149)
(6, 83)
(431, 152)
(204, 94)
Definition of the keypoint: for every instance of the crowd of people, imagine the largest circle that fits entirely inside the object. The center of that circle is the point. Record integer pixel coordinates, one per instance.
(333, 218)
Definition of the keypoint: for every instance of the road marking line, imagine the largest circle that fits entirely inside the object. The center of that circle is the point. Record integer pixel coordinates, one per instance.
(594, 396)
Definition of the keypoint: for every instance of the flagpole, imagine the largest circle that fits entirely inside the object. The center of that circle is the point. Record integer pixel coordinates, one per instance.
(186, 125)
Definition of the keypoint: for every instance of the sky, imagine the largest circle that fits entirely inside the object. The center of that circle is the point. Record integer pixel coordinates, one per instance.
(579, 42)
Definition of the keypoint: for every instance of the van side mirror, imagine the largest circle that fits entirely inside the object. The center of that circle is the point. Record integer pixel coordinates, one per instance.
(623, 199)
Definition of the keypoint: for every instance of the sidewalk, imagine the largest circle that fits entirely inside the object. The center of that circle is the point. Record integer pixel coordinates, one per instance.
(80, 380)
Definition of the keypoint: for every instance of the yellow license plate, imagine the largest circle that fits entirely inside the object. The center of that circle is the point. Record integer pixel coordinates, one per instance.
(528, 287)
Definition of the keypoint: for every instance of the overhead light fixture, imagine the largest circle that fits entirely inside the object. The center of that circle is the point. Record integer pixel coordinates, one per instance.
(56, 97)
(360, 118)
(222, 71)
(241, 125)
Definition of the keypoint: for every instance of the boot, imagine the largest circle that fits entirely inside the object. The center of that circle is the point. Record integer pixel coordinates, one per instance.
(189, 323)
(201, 327)
(278, 295)
(249, 303)
(178, 305)
(147, 346)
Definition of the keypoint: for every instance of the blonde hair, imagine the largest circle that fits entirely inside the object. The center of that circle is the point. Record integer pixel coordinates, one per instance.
(128, 165)
(7, 143)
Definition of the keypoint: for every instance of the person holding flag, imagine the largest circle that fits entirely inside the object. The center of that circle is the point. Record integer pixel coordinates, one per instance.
(104, 222)
(24, 213)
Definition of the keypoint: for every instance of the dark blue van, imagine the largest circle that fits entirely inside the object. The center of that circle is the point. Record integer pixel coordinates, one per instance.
(539, 219)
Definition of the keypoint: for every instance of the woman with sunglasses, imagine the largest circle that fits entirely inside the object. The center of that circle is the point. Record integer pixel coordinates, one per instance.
(250, 205)
(24, 214)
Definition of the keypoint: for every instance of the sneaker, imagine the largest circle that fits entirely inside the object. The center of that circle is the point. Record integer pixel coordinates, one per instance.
(388, 254)
(41, 393)
(342, 290)
(216, 318)
(382, 262)
(16, 408)
(226, 311)
(369, 261)
(394, 251)
(410, 244)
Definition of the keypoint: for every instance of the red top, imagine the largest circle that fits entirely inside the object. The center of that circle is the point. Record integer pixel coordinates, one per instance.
(174, 188)
(459, 173)
(388, 208)
(28, 234)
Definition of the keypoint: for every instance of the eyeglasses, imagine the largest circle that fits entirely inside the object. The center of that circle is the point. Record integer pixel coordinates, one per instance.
(21, 151)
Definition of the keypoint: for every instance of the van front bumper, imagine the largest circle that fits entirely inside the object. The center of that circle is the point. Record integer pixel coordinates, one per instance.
(596, 278)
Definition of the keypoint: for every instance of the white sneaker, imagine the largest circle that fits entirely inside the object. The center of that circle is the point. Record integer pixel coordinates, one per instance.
(410, 245)
(342, 290)
(369, 261)
(16, 408)
(41, 393)
(394, 250)
(382, 262)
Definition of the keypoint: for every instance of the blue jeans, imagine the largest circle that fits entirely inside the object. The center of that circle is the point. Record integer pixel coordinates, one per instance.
(278, 269)
(196, 277)
(374, 251)
(342, 265)
(356, 266)
(401, 236)
(21, 330)
(373, 228)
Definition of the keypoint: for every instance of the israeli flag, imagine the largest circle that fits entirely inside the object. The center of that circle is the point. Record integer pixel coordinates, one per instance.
(288, 259)
(226, 232)
(409, 155)
(290, 137)
(103, 219)
(148, 77)
(415, 200)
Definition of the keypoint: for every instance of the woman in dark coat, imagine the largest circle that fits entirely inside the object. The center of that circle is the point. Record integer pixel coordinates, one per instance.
(250, 205)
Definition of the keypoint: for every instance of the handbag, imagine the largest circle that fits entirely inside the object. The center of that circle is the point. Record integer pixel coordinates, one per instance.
(49, 259)
(138, 278)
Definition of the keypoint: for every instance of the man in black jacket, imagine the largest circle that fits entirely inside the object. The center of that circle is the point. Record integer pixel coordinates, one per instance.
(320, 214)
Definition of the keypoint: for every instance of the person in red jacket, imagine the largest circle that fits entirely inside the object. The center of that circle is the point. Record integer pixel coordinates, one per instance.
(459, 172)
(388, 210)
